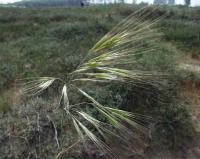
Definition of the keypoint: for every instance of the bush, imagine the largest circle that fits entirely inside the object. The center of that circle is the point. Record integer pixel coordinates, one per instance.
(174, 125)
(5, 103)
(7, 75)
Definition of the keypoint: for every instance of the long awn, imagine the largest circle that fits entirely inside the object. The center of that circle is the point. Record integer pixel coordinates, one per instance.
(106, 62)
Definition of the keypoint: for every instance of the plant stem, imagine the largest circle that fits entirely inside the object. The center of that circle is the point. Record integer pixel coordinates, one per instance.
(61, 153)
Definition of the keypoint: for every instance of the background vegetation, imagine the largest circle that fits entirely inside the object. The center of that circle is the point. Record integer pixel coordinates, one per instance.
(51, 42)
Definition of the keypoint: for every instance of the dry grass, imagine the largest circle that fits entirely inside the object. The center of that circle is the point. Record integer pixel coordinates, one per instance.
(105, 62)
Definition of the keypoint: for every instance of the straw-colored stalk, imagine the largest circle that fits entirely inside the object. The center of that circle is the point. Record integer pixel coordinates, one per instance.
(106, 62)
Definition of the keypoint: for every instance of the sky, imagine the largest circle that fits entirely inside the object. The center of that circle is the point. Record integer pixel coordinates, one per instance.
(193, 2)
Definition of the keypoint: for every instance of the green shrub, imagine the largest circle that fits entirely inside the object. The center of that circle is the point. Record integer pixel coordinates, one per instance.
(174, 124)
(7, 75)
(185, 33)
(5, 103)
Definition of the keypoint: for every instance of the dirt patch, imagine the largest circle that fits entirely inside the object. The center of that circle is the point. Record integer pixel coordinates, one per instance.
(190, 92)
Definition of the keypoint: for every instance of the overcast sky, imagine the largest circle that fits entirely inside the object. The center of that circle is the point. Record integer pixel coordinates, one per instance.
(193, 2)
